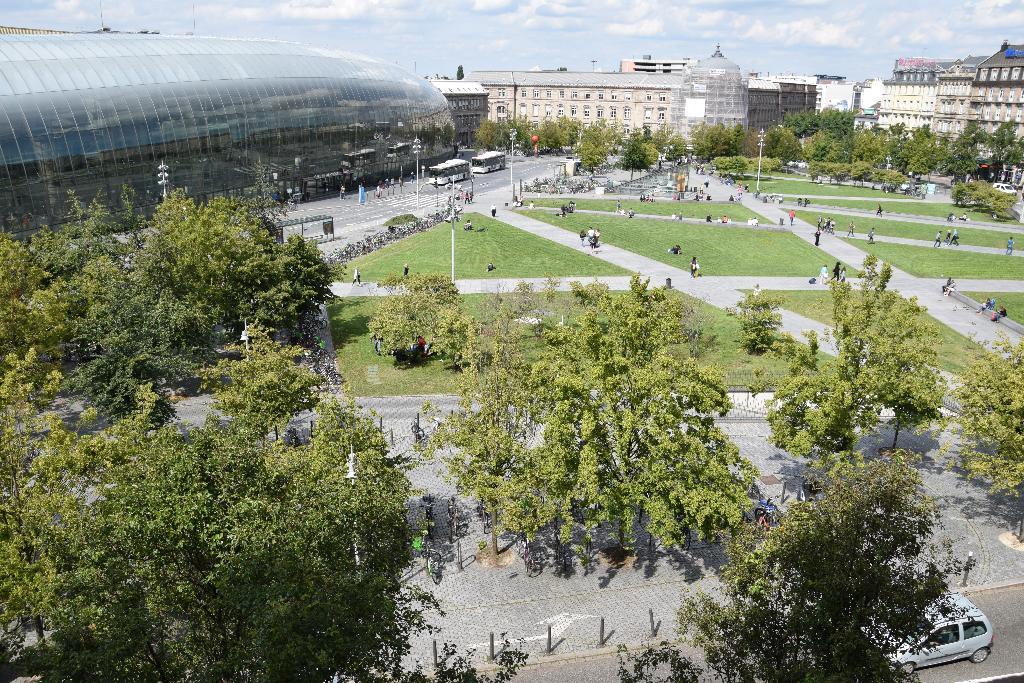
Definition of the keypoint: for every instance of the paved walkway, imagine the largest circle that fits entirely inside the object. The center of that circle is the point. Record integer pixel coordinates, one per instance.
(931, 244)
(906, 217)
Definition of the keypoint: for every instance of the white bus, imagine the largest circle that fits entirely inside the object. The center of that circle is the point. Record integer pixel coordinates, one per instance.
(451, 171)
(488, 161)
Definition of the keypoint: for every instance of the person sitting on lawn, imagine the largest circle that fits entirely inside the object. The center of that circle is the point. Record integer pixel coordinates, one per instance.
(675, 250)
(468, 226)
(708, 219)
(490, 267)
(989, 305)
(1002, 311)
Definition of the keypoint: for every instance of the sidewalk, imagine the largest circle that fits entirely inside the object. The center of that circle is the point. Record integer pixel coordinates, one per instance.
(931, 244)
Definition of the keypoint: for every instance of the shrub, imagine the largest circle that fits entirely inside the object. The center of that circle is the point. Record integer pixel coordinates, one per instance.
(401, 219)
(760, 321)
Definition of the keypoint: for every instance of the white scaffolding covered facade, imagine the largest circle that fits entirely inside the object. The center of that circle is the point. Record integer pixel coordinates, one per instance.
(713, 91)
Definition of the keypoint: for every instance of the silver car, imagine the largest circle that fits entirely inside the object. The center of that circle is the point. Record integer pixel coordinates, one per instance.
(967, 635)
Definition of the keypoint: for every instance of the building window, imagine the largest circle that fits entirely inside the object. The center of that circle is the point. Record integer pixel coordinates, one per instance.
(536, 94)
(629, 96)
(600, 112)
(625, 113)
(536, 110)
(561, 94)
(575, 95)
(1005, 75)
(561, 110)
(547, 94)
(611, 113)
(586, 96)
(501, 92)
(649, 97)
(500, 110)
(615, 95)
(648, 113)
(600, 95)
(573, 110)
(661, 115)
(586, 111)
(522, 109)
(662, 97)
(1016, 73)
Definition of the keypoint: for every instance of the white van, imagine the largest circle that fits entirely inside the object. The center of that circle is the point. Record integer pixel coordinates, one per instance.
(965, 635)
(1005, 187)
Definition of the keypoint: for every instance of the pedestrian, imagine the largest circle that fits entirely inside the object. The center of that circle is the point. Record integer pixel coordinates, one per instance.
(823, 275)
(949, 237)
(938, 239)
(494, 211)
(792, 217)
(842, 274)
(694, 267)
(835, 271)
(341, 194)
(405, 270)
(817, 236)
(1009, 247)
(356, 280)
(618, 205)
(878, 212)
(583, 238)
(849, 233)
(597, 237)
(376, 344)
(871, 236)
(956, 238)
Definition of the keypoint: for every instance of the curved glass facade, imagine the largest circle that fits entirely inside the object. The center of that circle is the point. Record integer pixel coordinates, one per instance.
(93, 112)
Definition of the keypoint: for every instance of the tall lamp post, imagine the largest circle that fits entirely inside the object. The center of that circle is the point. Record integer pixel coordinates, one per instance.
(164, 177)
(350, 475)
(511, 160)
(453, 211)
(760, 151)
(417, 148)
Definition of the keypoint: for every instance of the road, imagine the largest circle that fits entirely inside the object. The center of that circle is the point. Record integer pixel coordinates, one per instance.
(1005, 608)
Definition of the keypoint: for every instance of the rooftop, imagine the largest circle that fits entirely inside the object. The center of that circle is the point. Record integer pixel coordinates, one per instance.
(1008, 55)
(449, 87)
(583, 79)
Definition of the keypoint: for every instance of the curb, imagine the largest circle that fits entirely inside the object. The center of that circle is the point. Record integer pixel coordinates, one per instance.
(986, 587)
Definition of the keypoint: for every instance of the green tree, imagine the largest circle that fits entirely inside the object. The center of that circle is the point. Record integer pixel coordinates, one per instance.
(860, 170)
(421, 305)
(732, 167)
(662, 663)
(32, 313)
(459, 73)
(552, 135)
(638, 154)
(782, 143)
(266, 386)
(869, 146)
(888, 178)
(982, 195)
(1004, 146)
(823, 147)
(962, 153)
(216, 555)
(990, 392)
(760, 320)
(492, 435)
(885, 360)
(841, 585)
(922, 153)
(488, 136)
(629, 430)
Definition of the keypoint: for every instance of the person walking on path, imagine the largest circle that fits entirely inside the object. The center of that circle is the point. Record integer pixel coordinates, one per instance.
(938, 239)
(694, 267)
(583, 238)
(1009, 247)
(842, 274)
(949, 236)
(494, 211)
(871, 236)
(835, 271)
(849, 233)
(405, 270)
(356, 280)
(792, 217)
(817, 236)
(878, 211)
(956, 238)
(823, 275)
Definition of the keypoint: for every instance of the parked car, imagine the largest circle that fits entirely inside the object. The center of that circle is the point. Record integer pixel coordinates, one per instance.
(966, 634)
(1005, 187)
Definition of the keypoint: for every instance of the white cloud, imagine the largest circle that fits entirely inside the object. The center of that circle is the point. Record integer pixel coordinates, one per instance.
(806, 31)
(644, 27)
(489, 6)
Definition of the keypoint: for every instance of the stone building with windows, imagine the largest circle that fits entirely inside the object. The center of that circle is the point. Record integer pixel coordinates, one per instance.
(769, 101)
(468, 102)
(953, 99)
(655, 66)
(911, 92)
(997, 93)
(711, 91)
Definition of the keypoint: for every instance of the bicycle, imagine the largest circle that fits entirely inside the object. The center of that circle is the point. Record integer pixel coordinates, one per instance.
(434, 566)
(766, 513)
(531, 563)
(453, 518)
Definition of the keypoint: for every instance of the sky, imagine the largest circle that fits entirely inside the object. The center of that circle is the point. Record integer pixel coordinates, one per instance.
(859, 39)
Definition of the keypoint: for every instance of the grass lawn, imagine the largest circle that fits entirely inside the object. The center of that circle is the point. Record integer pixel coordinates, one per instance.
(918, 231)
(371, 375)
(914, 208)
(810, 189)
(777, 174)
(720, 250)
(943, 262)
(955, 350)
(515, 254)
(688, 209)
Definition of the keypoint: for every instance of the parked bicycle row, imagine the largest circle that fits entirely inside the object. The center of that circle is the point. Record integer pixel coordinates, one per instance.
(383, 238)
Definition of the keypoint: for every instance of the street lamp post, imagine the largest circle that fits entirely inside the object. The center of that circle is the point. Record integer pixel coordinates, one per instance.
(417, 148)
(511, 160)
(350, 475)
(760, 151)
(451, 208)
(164, 177)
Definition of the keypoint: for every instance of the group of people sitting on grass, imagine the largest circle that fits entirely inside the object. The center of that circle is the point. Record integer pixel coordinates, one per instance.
(989, 307)
(644, 197)
(418, 349)
(949, 288)
(952, 217)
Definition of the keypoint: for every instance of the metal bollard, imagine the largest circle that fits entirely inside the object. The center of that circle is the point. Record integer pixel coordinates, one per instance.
(435, 653)
(600, 639)
(549, 638)
(311, 423)
(668, 283)
(381, 425)
(492, 646)
(458, 548)
(968, 566)
(392, 436)
(650, 614)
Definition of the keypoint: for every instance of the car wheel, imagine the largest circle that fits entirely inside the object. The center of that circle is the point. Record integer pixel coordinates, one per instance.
(907, 667)
(980, 655)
